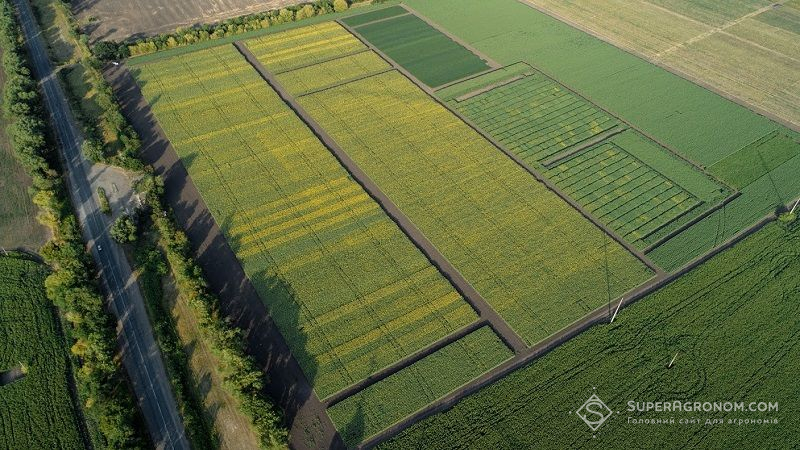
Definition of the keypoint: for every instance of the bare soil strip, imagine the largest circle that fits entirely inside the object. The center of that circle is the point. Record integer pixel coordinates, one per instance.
(484, 89)
(503, 330)
(403, 363)
(578, 147)
(596, 317)
(691, 223)
(310, 426)
(492, 63)
(539, 177)
(342, 83)
(323, 60)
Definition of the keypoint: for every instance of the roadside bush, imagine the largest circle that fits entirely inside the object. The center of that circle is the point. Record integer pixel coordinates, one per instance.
(123, 230)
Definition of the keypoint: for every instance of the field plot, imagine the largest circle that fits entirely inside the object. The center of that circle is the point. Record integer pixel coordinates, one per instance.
(746, 48)
(424, 51)
(304, 46)
(535, 117)
(341, 70)
(531, 256)
(348, 290)
(391, 399)
(732, 321)
(766, 173)
(579, 148)
(36, 410)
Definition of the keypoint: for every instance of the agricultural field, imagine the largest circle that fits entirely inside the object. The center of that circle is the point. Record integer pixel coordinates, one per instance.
(744, 48)
(18, 224)
(308, 79)
(427, 53)
(731, 321)
(590, 155)
(348, 290)
(385, 402)
(463, 194)
(36, 409)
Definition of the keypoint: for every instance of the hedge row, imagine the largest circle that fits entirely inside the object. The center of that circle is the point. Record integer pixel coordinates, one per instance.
(242, 377)
(72, 285)
(108, 50)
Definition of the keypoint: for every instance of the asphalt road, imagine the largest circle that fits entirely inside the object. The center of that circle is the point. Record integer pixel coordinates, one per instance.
(140, 354)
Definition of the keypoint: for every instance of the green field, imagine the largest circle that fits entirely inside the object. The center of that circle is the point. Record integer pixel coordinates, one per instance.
(535, 117)
(532, 257)
(424, 51)
(348, 290)
(675, 111)
(380, 14)
(36, 411)
(733, 324)
(403, 393)
(18, 224)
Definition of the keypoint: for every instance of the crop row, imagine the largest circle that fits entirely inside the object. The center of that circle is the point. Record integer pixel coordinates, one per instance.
(530, 255)
(535, 117)
(36, 411)
(346, 287)
(401, 394)
(731, 323)
(303, 46)
(624, 193)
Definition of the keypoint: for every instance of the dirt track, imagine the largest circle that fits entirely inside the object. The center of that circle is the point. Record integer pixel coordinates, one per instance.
(310, 427)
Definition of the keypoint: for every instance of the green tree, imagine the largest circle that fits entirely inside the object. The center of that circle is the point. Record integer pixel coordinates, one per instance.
(340, 5)
(123, 230)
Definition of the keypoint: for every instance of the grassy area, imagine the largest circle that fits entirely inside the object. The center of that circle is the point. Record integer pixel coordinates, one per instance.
(18, 224)
(424, 51)
(755, 58)
(37, 410)
(349, 291)
(732, 323)
(536, 260)
(232, 429)
(388, 401)
(696, 122)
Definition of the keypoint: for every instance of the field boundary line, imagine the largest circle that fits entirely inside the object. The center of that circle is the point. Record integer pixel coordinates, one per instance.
(456, 279)
(404, 363)
(661, 241)
(487, 88)
(323, 61)
(492, 63)
(788, 123)
(344, 82)
(407, 13)
(535, 173)
(569, 153)
(598, 316)
(480, 74)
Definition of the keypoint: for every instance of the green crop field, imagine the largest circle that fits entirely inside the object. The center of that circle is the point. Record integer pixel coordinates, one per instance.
(372, 16)
(36, 411)
(534, 258)
(733, 324)
(389, 400)
(348, 290)
(424, 51)
(535, 117)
